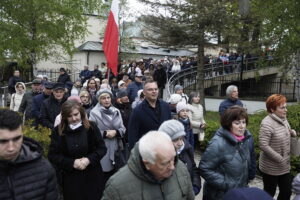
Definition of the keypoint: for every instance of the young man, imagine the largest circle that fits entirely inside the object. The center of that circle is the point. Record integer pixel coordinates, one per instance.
(24, 173)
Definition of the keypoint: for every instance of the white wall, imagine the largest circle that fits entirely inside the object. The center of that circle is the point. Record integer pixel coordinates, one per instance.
(251, 106)
(79, 59)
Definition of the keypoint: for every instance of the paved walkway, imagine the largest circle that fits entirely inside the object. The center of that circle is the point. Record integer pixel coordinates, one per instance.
(257, 182)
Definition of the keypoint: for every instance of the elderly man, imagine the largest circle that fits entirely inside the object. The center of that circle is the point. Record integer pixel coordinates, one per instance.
(232, 100)
(148, 115)
(26, 103)
(38, 100)
(51, 106)
(135, 86)
(152, 172)
(24, 173)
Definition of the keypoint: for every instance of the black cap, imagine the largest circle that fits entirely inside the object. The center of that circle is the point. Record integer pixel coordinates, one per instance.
(48, 85)
(58, 86)
(36, 81)
(62, 69)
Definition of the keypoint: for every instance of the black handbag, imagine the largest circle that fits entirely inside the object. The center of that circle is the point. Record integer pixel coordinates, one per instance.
(121, 154)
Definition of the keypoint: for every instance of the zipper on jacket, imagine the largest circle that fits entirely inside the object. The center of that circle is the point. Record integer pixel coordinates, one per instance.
(11, 189)
(162, 191)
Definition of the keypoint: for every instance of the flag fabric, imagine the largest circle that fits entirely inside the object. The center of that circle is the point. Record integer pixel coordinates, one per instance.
(111, 38)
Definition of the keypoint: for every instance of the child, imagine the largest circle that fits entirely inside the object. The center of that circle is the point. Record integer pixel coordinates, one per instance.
(182, 110)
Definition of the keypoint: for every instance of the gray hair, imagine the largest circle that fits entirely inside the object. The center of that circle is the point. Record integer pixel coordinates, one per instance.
(149, 143)
(229, 90)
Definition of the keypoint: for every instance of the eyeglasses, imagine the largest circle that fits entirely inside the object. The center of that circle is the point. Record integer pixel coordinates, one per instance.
(15, 139)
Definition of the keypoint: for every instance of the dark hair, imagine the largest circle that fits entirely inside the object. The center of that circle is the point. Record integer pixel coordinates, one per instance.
(9, 119)
(66, 110)
(231, 114)
(92, 79)
(273, 101)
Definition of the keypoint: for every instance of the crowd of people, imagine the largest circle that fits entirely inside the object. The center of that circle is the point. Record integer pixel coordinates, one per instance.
(114, 137)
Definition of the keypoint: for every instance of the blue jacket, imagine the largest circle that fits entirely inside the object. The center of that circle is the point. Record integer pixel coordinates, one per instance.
(85, 75)
(36, 107)
(225, 164)
(227, 103)
(142, 120)
(132, 90)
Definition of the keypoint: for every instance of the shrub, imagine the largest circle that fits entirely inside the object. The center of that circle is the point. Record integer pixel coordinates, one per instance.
(41, 135)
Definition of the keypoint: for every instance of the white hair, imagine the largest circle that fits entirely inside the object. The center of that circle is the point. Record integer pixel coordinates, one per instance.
(229, 89)
(149, 143)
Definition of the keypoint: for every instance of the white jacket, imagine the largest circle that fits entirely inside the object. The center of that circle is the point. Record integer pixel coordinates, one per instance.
(16, 98)
(196, 117)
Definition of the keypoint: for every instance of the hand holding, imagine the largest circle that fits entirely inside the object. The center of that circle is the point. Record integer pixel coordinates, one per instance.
(77, 164)
(293, 133)
(111, 133)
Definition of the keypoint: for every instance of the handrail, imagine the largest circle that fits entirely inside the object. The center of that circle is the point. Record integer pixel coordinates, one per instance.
(214, 70)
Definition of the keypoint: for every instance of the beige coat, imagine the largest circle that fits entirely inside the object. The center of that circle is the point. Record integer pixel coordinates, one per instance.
(196, 117)
(274, 142)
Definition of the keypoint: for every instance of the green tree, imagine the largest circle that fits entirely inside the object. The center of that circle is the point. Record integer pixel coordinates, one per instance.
(34, 30)
(178, 23)
(281, 32)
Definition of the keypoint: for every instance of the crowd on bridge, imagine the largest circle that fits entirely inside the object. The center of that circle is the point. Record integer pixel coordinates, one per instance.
(114, 137)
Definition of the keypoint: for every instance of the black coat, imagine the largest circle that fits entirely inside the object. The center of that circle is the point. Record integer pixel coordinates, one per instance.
(73, 144)
(143, 119)
(26, 104)
(125, 110)
(29, 177)
(12, 82)
(187, 157)
(160, 76)
(64, 78)
(50, 108)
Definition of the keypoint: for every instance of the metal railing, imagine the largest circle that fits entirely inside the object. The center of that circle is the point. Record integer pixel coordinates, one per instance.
(219, 75)
(4, 93)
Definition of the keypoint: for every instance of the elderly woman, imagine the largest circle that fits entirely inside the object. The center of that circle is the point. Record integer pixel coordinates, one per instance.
(226, 162)
(109, 120)
(196, 116)
(76, 149)
(184, 150)
(274, 141)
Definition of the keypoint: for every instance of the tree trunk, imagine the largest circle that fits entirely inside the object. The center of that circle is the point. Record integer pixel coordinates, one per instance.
(297, 66)
(200, 68)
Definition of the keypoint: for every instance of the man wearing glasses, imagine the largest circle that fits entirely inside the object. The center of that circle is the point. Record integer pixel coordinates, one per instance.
(24, 173)
(148, 115)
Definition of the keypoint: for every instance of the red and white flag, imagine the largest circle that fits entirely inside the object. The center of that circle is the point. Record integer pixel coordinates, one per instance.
(111, 38)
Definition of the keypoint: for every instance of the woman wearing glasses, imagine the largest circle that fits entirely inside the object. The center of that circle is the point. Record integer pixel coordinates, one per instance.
(86, 101)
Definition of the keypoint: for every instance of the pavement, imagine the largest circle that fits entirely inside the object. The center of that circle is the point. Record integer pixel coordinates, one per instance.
(257, 182)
